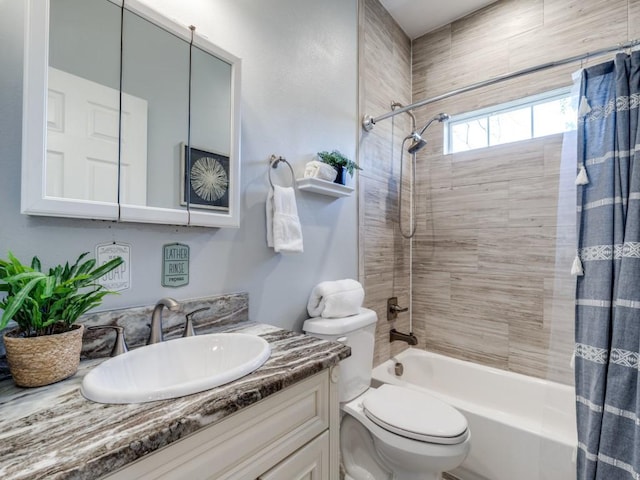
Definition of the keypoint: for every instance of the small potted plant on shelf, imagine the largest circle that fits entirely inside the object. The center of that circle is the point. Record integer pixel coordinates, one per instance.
(45, 346)
(341, 163)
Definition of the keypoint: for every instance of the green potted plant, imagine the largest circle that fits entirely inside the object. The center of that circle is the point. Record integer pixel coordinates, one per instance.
(341, 163)
(45, 346)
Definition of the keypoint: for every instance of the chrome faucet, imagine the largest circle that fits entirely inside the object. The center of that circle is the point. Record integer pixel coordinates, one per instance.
(155, 335)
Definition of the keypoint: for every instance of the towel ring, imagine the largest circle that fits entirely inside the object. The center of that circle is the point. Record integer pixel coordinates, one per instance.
(273, 163)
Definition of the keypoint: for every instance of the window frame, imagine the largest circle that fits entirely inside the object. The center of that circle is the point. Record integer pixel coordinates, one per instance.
(488, 112)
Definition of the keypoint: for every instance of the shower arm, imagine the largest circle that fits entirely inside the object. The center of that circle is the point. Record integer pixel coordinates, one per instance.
(424, 129)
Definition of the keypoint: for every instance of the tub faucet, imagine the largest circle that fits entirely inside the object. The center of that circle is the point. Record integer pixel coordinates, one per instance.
(155, 335)
(410, 338)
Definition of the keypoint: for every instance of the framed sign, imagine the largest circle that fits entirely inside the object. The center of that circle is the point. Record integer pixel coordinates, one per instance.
(120, 278)
(175, 265)
(206, 184)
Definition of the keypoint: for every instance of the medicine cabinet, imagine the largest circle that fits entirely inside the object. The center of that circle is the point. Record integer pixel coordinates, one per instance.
(128, 116)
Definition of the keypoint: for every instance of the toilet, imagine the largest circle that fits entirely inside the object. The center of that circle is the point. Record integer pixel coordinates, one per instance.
(390, 432)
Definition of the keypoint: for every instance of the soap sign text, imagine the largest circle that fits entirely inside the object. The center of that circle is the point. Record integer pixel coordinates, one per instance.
(118, 279)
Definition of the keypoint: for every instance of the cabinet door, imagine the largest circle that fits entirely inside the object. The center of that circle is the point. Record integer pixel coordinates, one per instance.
(246, 443)
(311, 462)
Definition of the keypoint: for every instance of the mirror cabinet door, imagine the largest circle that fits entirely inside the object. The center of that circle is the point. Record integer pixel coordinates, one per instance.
(71, 114)
(155, 108)
(214, 180)
(107, 117)
(83, 101)
(210, 182)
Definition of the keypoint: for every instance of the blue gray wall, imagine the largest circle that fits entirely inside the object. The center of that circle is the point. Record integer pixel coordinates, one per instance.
(299, 96)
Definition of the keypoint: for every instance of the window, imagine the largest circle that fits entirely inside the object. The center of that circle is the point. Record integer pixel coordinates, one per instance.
(530, 117)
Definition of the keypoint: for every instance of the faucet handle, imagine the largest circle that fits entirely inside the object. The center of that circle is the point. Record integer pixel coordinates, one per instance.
(393, 308)
(188, 326)
(120, 345)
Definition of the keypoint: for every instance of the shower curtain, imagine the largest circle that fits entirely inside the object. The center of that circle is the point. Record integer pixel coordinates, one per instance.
(608, 293)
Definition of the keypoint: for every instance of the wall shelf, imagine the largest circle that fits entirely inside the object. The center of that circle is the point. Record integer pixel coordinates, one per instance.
(323, 187)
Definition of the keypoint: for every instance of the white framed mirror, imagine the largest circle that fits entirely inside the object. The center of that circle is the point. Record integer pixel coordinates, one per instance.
(113, 95)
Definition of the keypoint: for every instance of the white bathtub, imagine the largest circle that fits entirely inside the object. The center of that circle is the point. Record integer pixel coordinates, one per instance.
(522, 428)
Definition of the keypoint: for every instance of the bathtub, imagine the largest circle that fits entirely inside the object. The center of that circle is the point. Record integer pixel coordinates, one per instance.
(521, 427)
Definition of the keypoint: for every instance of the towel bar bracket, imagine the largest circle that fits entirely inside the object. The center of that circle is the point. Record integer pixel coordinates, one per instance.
(273, 163)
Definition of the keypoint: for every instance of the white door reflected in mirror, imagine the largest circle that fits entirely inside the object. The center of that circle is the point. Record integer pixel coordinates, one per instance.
(82, 141)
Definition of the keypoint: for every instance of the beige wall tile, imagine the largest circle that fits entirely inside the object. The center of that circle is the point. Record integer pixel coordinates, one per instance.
(571, 27)
(483, 341)
(508, 162)
(454, 251)
(634, 19)
(496, 227)
(385, 76)
(470, 206)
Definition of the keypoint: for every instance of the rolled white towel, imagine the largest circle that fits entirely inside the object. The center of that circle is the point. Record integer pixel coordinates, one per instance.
(321, 170)
(334, 299)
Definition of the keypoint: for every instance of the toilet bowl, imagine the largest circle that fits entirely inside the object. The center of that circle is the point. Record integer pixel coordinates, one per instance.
(413, 436)
(390, 432)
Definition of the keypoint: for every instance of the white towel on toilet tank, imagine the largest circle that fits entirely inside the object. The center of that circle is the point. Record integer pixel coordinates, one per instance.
(284, 232)
(334, 299)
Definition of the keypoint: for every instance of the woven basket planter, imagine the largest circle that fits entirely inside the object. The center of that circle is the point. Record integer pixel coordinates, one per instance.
(38, 361)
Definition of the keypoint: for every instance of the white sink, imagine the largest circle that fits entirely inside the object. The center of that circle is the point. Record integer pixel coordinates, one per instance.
(175, 368)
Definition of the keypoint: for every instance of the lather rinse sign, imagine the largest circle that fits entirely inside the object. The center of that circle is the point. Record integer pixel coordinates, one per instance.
(175, 265)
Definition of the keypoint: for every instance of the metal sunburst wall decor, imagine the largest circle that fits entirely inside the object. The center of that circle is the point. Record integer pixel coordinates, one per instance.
(208, 181)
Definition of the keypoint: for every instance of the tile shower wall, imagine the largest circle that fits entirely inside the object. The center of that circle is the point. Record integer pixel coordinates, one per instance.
(496, 226)
(384, 65)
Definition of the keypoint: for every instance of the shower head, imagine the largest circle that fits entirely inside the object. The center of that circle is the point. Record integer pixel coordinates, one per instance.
(418, 141)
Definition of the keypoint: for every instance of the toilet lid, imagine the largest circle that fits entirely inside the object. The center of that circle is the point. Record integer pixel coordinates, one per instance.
(414, 415)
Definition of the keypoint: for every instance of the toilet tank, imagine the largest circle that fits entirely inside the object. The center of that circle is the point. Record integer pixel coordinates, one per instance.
(358, 332)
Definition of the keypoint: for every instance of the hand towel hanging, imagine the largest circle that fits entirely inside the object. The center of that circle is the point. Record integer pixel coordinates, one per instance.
(284, 232)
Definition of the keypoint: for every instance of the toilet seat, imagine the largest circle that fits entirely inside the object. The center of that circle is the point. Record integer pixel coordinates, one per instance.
(398, 453)
(415, 415)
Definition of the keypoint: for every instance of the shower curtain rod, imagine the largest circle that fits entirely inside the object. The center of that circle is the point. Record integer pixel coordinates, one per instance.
(368, 121)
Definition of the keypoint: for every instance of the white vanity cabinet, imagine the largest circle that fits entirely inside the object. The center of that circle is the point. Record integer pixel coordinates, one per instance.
(311, 462)
(290, 435)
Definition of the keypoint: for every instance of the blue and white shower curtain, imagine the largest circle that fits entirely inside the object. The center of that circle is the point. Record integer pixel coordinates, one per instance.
(607, 346)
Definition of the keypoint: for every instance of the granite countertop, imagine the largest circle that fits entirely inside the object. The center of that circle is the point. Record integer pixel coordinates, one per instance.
(53, 432)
